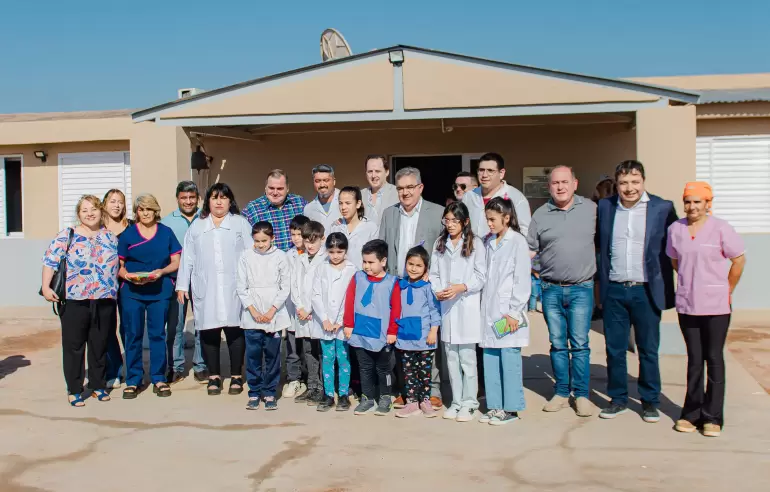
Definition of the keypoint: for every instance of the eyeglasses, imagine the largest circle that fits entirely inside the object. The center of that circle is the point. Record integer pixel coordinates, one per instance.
(409, 188)
(447, 222)
(488, 171)
(462, 186)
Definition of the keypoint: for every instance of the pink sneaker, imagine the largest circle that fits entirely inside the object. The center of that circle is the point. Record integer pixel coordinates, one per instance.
(408, 410)
(427, 409)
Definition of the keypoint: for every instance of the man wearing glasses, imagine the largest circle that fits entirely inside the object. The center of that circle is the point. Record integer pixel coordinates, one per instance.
(493, 184)
(464, 183)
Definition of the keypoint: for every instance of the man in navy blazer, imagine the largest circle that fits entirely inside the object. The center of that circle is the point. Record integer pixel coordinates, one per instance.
(636, 283)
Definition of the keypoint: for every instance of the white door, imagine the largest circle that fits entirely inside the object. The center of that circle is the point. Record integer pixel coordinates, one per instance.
(738, 169)
(91, 173)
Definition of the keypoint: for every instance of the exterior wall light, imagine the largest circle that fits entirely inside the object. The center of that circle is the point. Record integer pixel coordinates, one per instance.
(396, 57)
(40, 154)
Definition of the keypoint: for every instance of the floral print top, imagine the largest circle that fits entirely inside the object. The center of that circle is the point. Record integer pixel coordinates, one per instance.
(92, 264)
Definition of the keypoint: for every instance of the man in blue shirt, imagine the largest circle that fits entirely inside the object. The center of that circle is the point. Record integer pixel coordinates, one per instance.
(179, 221)
(276, 206)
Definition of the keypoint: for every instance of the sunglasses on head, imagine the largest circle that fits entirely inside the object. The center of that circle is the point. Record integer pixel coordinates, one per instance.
(462, 186)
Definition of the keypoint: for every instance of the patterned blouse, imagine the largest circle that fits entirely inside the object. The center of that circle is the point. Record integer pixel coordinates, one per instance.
(92, 264)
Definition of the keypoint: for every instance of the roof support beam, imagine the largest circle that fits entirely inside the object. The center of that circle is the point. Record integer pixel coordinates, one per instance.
(213, 131)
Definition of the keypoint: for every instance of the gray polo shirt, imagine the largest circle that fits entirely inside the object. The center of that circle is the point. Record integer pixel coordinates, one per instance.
(565, 241)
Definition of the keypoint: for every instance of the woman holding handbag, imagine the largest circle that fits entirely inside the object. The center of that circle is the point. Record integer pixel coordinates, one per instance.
(85, 259)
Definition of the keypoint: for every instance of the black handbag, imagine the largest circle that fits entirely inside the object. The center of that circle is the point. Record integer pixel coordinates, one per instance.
(59, 279)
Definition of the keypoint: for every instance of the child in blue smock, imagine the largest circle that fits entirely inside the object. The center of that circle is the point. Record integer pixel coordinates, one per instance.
(417, 333)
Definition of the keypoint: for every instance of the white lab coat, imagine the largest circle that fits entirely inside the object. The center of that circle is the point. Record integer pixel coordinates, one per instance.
(263, 282)
(366, 230)
(475, 203)
(209, 266)
(507, 290)
(292, 256)
(315, 211)
(461, 316)
(328, 300)
(302, 290)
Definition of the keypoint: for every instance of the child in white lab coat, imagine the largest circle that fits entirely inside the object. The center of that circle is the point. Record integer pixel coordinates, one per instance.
(263, 287)
(331, 282)
(353, 224)
(457, 275)
(296, 372)
(309, 329)
(505, 326)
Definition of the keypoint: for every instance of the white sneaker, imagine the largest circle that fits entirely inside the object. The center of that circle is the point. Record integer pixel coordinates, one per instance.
(486, 417)
(466, 414)
(451, 412)
(291, 389)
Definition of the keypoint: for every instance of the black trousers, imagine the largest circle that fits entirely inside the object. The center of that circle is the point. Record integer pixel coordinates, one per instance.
(376, 369)
(705, 337)
(86, 323)
(211, 340)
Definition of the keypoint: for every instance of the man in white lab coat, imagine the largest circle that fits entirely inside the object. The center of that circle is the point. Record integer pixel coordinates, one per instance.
(325, 206)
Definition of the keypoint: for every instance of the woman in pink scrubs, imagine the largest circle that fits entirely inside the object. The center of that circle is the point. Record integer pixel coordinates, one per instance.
(708, 256)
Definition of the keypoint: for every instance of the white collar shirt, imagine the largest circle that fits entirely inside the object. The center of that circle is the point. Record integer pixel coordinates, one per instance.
(628, 231)
(407, 232)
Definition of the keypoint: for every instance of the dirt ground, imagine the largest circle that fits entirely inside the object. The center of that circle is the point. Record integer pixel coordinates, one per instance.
(194, 442)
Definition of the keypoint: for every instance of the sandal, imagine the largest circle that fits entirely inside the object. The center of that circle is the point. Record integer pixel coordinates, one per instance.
(101, 395)
(161, 389)
(215, 386)
(130, 392)
(77, 401)
(236, 385)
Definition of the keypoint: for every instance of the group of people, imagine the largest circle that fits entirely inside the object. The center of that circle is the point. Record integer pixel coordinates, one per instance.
(382, 294)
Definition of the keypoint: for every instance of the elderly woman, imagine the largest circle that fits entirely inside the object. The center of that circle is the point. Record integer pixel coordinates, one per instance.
(700, 246)
(212, 246)
(116, 222)
(89, 313)
(149, 253)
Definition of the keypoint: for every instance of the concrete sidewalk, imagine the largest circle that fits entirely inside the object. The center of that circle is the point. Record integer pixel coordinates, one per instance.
(194, 442)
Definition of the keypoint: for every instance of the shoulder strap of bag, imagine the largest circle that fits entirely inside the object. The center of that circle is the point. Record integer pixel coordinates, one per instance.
(57, 306)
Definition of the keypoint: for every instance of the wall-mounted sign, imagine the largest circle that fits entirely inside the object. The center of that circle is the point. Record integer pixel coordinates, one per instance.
(536, 182)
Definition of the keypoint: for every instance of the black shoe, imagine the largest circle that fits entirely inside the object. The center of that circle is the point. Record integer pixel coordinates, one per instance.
(304, 397)
(326, 404)
(201, 377)
(214, 387)
(315, 398)
(176, 377)
(343, 403)
(613, 411)
(650, 413)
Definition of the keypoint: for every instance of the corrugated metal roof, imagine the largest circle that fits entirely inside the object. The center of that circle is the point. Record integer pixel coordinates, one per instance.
(74, 115)
(734, 95)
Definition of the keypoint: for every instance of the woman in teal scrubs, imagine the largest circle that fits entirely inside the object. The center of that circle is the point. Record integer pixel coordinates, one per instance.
(150, 249)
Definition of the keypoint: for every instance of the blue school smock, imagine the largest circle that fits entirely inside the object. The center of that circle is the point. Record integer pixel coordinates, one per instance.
(145, 254)
(419, 312)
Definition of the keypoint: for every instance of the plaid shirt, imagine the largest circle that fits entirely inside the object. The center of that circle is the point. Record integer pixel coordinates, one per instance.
(280, 218)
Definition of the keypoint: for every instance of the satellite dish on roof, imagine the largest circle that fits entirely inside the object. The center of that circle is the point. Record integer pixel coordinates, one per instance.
(333, 45)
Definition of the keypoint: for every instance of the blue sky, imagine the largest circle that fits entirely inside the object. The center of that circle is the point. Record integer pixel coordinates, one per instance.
(90, 55)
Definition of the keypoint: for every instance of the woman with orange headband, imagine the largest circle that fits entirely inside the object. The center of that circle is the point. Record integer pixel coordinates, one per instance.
(700, 246)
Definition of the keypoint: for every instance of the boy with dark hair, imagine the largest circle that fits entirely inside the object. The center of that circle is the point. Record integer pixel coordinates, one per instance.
(312, 257)
(296, 370)
(372, 306)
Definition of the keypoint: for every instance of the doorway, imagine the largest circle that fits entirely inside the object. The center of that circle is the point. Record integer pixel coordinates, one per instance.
(438, 174)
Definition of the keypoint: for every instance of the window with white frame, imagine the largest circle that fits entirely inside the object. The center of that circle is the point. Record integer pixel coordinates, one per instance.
(738, 170)
(11, 216)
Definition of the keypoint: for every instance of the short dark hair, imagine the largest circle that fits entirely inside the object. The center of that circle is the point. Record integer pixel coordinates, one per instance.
(297, 222)
(378, 247)
(323, 168)
(422, 253)
(219, 189)
(313, 231)
(628, 167)
(186, 187)
(466, 174)
(493, 156)
(264, 227)
(374, 157)
(337, 240)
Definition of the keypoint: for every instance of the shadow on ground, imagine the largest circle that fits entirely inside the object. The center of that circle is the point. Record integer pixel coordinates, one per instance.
(13, 363)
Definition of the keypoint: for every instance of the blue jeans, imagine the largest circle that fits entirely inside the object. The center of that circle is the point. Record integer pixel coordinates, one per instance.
(263, 362)
(175, 322)
(135, 312)
(535, 293)
(335, 350)
(623, 307)
(567, 311)
(503, 379)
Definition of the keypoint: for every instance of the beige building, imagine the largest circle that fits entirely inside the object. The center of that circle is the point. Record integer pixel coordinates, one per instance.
(432, 110)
